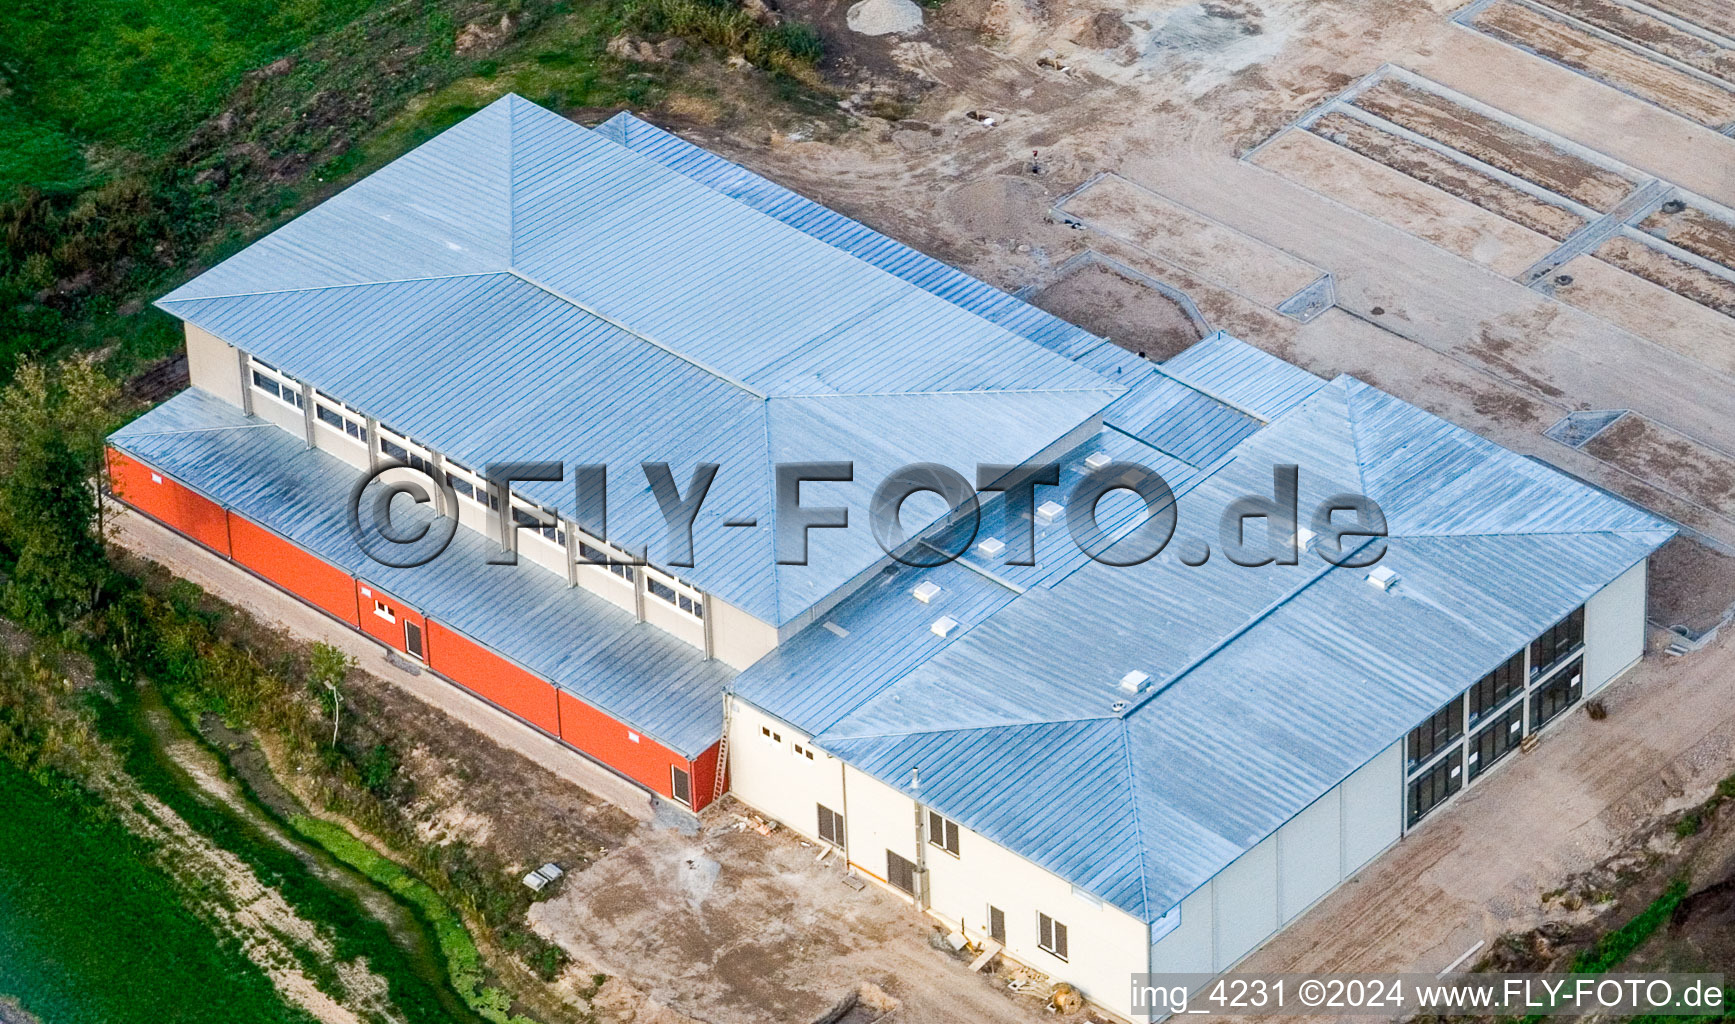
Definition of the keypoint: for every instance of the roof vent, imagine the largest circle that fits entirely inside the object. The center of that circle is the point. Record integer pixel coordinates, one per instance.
(834, 629)
(1383, 578)
(1135, 681)
(1048, 512)
(943, 626)
(1303, 537)
(925, 591)
(1097, 460)
(1118, 706)
(992, 547)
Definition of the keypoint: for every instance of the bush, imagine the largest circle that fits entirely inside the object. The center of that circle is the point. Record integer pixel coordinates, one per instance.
(790, 48)
(379, 767)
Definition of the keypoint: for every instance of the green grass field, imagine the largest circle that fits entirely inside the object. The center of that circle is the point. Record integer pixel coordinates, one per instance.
(89, 934)
(113, 77)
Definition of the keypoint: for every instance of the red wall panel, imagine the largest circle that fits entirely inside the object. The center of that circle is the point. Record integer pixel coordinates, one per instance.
(493, 677)
(387, 630)
(155, 494)
(634, 755)
(446, 652)
(704, 769)
(312, 578)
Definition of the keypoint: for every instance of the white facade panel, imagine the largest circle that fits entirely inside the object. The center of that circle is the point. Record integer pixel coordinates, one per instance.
(880, 819)
(1614, 628)
(213, 365)
(276, 410)
(1309, 856)
(670, 619)
(1373, 808)
(1188, 949)
(616, 589)
(737, 638)
(1105, 945)
(1246, 903)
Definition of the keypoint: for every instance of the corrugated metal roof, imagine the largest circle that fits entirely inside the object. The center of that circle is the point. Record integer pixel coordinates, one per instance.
(563, 297)
(1254, 381)
(851, 236)
(1179, 420)
(1270, 684)
(634, 672)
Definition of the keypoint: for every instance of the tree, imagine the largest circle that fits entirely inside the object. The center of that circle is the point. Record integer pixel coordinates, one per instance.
(52, 426)
(329, 669)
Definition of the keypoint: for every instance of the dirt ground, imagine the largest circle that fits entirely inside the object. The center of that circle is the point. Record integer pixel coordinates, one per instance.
(738, 928)
(1127, 311)
(1690, 585)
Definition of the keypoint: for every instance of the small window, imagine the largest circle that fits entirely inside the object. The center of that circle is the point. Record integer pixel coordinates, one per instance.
(801, 751)
(1559, 642)
(1559, 693)
(681, 785)
(901, 872)
(1436, 785)
(1051, 935)
(552, 533)
(285, 391)
(1433, 735)
(339, 422)
(395, 450)
(943, 833)
(384, 611)
(766, 732)
(1499, 738)
(462, 486)
(1497, 687)
(660, 589)
(830, 825)
(997, 924)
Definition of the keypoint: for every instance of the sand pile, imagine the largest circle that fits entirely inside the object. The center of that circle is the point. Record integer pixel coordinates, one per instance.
(884, 17)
